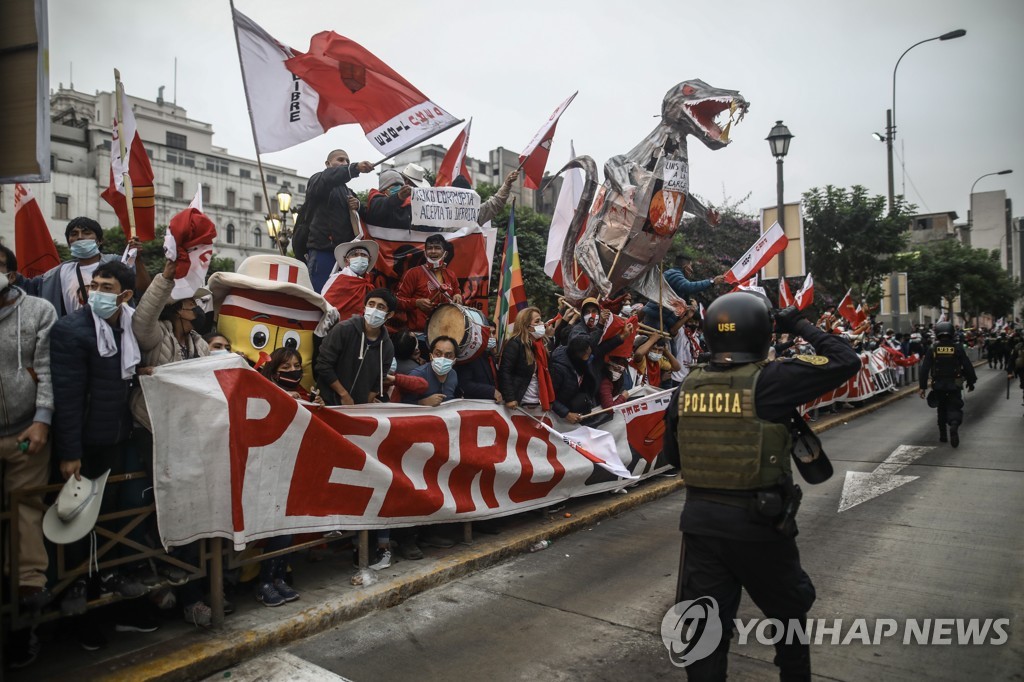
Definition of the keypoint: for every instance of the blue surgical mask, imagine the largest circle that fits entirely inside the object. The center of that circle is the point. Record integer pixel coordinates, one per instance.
(375, 318)
(393, 190)
(441, 366)
(103, 304)
(84, 248)
(394, 366)
(359, 264)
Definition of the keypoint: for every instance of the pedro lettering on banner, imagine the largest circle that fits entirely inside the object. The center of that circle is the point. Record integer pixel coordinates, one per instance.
(259, 463)
(445, 208)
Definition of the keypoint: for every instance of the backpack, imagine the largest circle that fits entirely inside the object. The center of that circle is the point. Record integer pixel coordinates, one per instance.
(300, 234)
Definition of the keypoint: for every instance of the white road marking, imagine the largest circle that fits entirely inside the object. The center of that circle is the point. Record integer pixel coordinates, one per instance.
(861, 487)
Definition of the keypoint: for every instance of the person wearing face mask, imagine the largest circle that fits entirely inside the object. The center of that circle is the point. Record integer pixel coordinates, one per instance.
(523, 376)
(576, 370)
(391, 204)
(66, 286)
(478, 378)
(26, 412)
(651, 357)
(347, 287)
(442, 380)
(591, 324)
(356, 354)
(613, 390)
(217, 343)
(326, 217)
(93, 356)
(425, 287)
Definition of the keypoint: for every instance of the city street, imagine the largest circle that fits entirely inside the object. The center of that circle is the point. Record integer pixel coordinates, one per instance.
(944, 541)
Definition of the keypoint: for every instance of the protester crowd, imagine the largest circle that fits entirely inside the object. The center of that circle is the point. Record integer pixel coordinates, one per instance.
(76, 339)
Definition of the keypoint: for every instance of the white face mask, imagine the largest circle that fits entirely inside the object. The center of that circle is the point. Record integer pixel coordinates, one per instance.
(537, 331)
(375, 318)
(590, 319)
(615, 375)
(3, 281)
(654, 357)
(492, 343)
(435, 262)
(359, 264)
(394, 366)
(219, 351)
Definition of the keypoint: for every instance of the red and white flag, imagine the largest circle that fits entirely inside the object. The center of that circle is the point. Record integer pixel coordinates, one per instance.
(565, 208)
(454, 163)
(772, 242)
(596, 445)
(189, 243)
(32, 241)
(535, 157)
(700, 307)
(785, 298)
(134, 164)
(850, 313)
(805, 296)
(360, 88)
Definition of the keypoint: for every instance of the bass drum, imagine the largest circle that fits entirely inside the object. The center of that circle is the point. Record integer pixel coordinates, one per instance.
(464, 324)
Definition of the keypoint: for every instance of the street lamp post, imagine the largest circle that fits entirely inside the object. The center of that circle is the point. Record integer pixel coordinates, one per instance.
(890, 135)
(277, 223)
(778, 140)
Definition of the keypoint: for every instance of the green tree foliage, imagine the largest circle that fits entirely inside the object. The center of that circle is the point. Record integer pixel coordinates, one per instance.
(941, 270)
(715, 248)
(850, 240)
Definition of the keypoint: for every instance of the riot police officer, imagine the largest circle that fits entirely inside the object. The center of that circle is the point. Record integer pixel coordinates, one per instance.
(947, 365)
(730, 432)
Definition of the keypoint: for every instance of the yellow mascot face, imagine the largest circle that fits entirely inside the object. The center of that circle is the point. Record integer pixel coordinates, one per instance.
(260, 322)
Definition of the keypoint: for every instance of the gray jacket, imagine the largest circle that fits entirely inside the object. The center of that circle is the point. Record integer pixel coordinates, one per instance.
(26, 390)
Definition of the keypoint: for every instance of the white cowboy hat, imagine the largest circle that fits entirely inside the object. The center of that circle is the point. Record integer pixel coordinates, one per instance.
(417, 175)
(341, 250)
(74, 513)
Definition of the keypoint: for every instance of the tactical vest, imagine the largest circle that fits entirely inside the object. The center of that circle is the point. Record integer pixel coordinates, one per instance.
(722, 442)
(944, 362)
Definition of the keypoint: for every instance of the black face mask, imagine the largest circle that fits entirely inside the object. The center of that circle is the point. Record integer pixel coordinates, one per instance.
(579, 364)
(203, 323)
(289, 379)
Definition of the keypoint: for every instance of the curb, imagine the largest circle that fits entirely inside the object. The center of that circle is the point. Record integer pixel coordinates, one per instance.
(223, 650)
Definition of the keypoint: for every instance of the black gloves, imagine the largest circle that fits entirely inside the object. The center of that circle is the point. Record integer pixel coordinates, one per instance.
(787, 320)
(970, 387)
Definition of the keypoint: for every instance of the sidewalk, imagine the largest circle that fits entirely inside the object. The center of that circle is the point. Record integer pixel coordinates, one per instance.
(178, 651)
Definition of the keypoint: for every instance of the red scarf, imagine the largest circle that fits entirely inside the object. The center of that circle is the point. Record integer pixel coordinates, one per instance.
(545, 389)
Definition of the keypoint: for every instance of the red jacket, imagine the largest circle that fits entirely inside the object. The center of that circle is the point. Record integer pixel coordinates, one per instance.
(417, 283)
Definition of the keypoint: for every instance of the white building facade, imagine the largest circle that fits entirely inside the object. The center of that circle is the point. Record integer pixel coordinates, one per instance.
(183, 158)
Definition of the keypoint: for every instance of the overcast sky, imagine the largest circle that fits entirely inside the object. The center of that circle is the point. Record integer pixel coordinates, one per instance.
(824, 68)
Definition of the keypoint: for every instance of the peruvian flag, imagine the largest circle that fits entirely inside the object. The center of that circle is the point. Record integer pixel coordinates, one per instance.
(785, 298)
(32, 241)
(135, 164)
(805, 296)
(612, 328)
(772, 242)
(535, 157)
(189, 243)
(850, 313)
(596, 445)
(700, 308)
(454, 163)
(565, 208)
(355, 86)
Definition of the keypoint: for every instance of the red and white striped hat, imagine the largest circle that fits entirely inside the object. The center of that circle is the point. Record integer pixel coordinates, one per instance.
(268, 273)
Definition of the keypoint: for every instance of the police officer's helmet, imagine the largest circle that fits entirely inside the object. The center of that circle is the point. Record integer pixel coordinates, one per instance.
(738, 328)
(944, 329)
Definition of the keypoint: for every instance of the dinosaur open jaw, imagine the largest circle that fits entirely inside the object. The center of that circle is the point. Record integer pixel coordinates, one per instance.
(708, 114)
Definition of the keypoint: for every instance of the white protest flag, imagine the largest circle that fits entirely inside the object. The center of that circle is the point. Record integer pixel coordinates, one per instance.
(565, 207)
(197, 200)
(805, 296)
(596, 445)
(772, 242)
(283, 108)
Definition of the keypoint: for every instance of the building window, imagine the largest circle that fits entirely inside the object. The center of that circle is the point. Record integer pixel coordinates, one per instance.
(216, 165)
(257, 203)
(231, 198)
(106, 145)
(229, 234)
(271, 179)
(177, 140)
(244, 173)
(257, 237)
(149, 153)
(179, 189)
(60, 207)
(482, 167)
(302, 188)
(206, 194)
(53, 162)
(181, 158)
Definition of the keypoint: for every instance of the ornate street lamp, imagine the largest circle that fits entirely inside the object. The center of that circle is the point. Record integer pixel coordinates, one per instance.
(778, 140)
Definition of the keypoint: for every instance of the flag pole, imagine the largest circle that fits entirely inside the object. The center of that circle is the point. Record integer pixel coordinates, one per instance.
(252, 123)
(410, 146)
(126, 179)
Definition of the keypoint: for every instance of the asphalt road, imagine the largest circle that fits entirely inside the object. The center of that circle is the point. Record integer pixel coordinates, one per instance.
(948, 542)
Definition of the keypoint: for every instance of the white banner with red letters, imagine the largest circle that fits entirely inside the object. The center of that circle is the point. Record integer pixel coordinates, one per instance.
(236, 457)
(877, 375)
